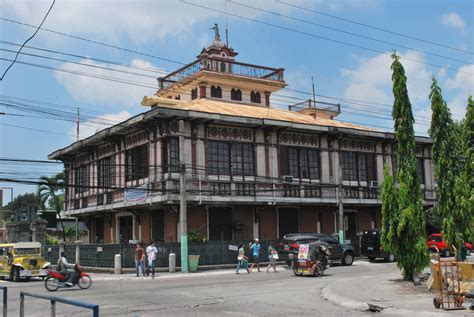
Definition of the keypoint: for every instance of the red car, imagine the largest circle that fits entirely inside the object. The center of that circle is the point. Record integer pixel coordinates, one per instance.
(436, 239)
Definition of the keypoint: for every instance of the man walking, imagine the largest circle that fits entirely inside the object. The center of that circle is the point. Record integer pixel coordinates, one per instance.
(255, 247)
(151, 254)
(139, 259)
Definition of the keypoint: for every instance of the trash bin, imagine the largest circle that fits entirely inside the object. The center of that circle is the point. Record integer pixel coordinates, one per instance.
(193, 261)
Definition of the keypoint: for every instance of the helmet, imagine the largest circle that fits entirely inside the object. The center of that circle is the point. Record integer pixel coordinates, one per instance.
(63, 254)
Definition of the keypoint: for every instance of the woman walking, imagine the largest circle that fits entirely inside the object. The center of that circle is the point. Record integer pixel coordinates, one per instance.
(242, 259)
(272, 258)
(139, 259)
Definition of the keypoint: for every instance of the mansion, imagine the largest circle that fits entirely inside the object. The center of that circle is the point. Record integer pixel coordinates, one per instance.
(251, 170)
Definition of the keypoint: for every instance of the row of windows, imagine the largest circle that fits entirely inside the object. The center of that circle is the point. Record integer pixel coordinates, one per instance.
(235, 94)
(226, 158)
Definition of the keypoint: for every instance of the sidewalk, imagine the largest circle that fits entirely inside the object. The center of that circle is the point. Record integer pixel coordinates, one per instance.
(387, 294)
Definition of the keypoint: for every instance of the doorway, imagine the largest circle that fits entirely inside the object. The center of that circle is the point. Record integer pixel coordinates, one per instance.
(287, 221)
(220, 222)
(126, 228)
(157, 226)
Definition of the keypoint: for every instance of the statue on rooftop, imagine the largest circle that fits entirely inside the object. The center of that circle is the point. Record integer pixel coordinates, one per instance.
(217, 36)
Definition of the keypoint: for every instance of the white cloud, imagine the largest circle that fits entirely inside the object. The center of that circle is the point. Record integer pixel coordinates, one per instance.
(371, 80)
(101, 122)
(453, 20)
(97, 90)
(462, 84)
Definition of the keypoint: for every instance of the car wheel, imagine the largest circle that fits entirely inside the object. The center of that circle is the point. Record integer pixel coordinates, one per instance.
(16, 274)
(390, 258)
(371, 258)
(447, 253)
(348, 259)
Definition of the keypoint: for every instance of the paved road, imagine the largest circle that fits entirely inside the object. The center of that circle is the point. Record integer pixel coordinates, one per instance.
(211, 293)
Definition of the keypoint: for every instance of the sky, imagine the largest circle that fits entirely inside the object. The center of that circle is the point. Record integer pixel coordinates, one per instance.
(102, 57)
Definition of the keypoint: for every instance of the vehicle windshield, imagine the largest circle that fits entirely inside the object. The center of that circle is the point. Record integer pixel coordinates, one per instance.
(27, 251)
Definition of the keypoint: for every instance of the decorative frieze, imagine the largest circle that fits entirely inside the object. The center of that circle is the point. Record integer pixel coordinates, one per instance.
(357, 145)
(229, 133)
(290, 138)
(136, 139)
(105, 150)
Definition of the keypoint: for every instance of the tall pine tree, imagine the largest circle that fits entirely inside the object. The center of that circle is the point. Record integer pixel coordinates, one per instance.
(390, 213)
(412, 253)
(459, 222)
(445, 137)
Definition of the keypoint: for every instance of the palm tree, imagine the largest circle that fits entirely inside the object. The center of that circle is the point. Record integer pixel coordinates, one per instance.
(50, 192)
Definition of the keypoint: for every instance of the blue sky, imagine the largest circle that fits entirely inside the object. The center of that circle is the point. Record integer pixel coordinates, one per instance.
(177, 31)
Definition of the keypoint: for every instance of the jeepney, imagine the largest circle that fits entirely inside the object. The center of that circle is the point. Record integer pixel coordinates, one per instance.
(22, 260)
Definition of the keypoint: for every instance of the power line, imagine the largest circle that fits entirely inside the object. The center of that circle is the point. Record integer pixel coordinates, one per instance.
(323, 38)
(95, 42)
(348, 32)
(373, 27)
(32, 36)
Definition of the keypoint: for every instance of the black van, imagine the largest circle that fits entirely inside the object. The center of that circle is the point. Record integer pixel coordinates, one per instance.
(370, 246)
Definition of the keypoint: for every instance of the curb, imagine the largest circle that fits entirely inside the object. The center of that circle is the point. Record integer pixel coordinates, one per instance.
(329, 294)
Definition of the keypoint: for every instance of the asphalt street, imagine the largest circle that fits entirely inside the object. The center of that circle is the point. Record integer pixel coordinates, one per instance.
(209, 293)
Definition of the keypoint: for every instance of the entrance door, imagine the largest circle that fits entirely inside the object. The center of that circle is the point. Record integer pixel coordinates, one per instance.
(126, 228)
(220, 222)
(287, 221)
(350, 225)
(157, 226)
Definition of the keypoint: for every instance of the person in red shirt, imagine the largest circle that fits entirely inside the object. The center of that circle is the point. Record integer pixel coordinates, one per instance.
(139, 259)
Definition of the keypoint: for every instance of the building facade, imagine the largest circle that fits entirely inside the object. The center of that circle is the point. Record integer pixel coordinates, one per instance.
(251, 170)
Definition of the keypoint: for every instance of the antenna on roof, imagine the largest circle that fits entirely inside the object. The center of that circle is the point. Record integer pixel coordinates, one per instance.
(314, 94)
(226, 26)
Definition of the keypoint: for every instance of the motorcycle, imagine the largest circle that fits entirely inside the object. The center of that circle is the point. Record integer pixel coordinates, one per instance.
(313, 258)
(56, 280)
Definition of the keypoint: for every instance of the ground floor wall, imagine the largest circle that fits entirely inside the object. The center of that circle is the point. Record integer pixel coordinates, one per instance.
(240, 222)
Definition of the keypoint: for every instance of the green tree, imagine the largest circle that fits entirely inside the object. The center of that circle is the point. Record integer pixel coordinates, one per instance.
(412, 251)
(444, 132)
(22, 201)
(390, 213)
(458, 224)
(50, 193)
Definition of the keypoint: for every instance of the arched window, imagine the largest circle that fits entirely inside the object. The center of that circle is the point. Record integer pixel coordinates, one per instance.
(194, 93)
(216, 92)
(255, 97)
(178, 97)
(223, 67)
(236, 94)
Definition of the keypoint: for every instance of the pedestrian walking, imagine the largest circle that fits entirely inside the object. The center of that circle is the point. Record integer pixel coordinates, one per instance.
(255, 247)
(139, 259)
(272, 258)
(242, 259)
(151, 251)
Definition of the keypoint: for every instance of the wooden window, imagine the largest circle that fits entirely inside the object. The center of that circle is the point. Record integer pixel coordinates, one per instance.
(173, 154)
(420, 170)
(358, 166)
(236, 94)
(99, 230)
(136, 163)
(216, 92)
(236, 158)
(303, 162)
(255, 97)
(81, 175)
(106, 172)
(194, 93)
(223, 67)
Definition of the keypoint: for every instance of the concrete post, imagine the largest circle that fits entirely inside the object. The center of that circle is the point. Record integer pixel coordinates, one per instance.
(78, 250)
(183, 223)
(341, 199)
(172, 262)
(118, 264)
(61, 248)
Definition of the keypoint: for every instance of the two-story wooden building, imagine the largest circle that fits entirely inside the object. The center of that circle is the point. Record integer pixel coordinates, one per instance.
(251, 170)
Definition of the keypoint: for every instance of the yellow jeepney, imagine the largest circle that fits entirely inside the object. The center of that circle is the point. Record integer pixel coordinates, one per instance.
(22, 260)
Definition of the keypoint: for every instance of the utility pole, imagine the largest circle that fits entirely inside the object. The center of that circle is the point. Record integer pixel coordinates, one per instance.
(78, 121)
(341, 199)
(183, 221)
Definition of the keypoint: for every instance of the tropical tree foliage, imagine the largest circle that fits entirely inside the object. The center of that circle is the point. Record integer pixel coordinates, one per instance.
(390, 213)
(408, 221)
(458, 224)
(445, 135)
(50, 193)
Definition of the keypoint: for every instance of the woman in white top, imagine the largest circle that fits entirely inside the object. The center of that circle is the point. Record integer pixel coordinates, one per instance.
(242, 259)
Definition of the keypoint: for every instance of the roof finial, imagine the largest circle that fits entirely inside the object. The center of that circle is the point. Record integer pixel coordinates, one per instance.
(217, 36)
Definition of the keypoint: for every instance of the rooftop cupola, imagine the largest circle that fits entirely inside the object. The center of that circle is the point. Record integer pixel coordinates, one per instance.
(215, 74)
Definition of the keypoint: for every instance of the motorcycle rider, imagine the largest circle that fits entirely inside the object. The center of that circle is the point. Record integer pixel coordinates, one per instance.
(67, 269)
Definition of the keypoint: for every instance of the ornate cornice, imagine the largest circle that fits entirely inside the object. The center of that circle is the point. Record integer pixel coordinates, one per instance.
(229, 133)
(290, 138)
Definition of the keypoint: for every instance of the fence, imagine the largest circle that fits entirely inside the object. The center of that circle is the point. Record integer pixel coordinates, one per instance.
(53, 300)
(102, 255)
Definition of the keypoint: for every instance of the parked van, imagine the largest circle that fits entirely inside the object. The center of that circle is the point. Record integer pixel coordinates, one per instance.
(371, 247)
(22, 260)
